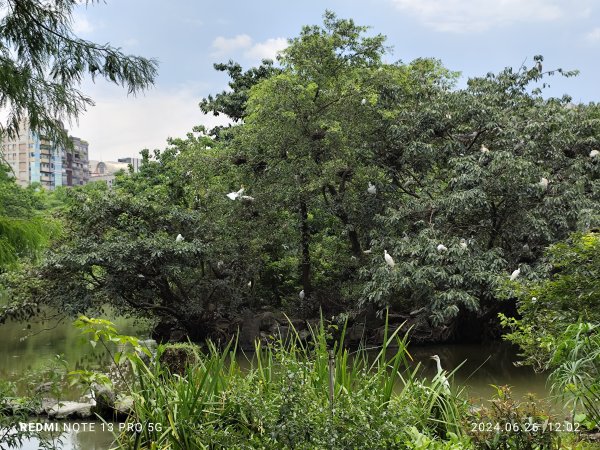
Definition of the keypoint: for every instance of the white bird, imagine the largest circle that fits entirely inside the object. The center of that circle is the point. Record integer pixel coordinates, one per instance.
(247, 198)
(367, 252)
(372, 189)
(442, 248)
(301, 294)
(250, 283)
(463, 244)
(544, 183)
(235, 195)
(179, 238)
(441, 373)
(515, 274)
(363, 101)
(388, 259)
(594, 153)
(484, 149)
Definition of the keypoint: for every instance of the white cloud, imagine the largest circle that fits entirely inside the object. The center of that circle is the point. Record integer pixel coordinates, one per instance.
(267, 49)
(120, 125)
(593, 36)
(81, 25)
(465, 16)
(222, 45)
(255, 51)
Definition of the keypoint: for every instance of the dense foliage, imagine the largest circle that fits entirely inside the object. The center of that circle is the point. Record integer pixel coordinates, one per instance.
(338, 156)
(559, 328)
(23, 229)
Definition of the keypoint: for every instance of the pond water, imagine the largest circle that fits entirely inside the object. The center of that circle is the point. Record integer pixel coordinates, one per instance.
(24, 350)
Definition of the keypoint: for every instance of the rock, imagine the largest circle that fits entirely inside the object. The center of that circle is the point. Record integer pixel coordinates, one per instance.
(355, 333)
(249, 331)
(71, 410)
(44, 387)
(123, 407)
(105, 401)
(178, 357)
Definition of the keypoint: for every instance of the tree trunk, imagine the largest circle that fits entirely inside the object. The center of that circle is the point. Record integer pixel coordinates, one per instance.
(305, 246)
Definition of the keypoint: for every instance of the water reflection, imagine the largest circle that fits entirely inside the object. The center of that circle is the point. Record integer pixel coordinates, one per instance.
(483, 365)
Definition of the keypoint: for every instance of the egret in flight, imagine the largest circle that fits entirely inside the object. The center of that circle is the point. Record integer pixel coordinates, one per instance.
(235, 195)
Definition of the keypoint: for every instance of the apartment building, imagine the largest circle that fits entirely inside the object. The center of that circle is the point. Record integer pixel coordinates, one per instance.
(35, 159)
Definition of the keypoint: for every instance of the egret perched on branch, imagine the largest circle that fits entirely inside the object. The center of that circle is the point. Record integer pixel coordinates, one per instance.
(544, 183)
(538, 66)
(388, 259)
(594, 153)
(372, 189)
(484, 149)
(235, 195)
(179, 238)
(463, 244)
(363, 101)
(515, 274)
(441, 373)
(442, 248)
(301, 294)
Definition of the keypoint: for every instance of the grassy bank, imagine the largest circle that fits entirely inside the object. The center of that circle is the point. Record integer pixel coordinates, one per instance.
(318, 394)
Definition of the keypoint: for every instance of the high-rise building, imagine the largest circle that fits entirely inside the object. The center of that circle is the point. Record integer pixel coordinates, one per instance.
(35, 159)
(77, 162)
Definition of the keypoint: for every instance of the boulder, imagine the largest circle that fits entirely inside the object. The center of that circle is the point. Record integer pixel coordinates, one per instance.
(105, 401)
(123, 407)
(71, 410)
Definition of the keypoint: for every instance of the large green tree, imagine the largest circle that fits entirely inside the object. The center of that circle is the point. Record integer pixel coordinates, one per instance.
(338, 157)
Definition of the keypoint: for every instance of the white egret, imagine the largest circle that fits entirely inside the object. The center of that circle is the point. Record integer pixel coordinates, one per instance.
(372, 189)
(594, 153)
(367, 252)
(463, 244)
(301, 294)
(484, 149)
(235, 195)
(179, 238)
(250, 283)
(442, 248)
(515, 274)
(441, 373)
(363, 101)
(544, 183)
(388, 259)
(247, 198)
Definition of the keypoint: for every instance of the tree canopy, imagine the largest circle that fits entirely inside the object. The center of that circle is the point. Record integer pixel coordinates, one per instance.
(335, 156)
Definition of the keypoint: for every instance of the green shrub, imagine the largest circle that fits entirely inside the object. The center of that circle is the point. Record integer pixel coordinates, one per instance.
(509, 424)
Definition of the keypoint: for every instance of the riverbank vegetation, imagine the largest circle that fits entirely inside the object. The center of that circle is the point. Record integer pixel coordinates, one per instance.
(314, 393)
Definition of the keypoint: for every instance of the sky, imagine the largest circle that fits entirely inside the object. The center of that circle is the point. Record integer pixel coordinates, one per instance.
(188, 36)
